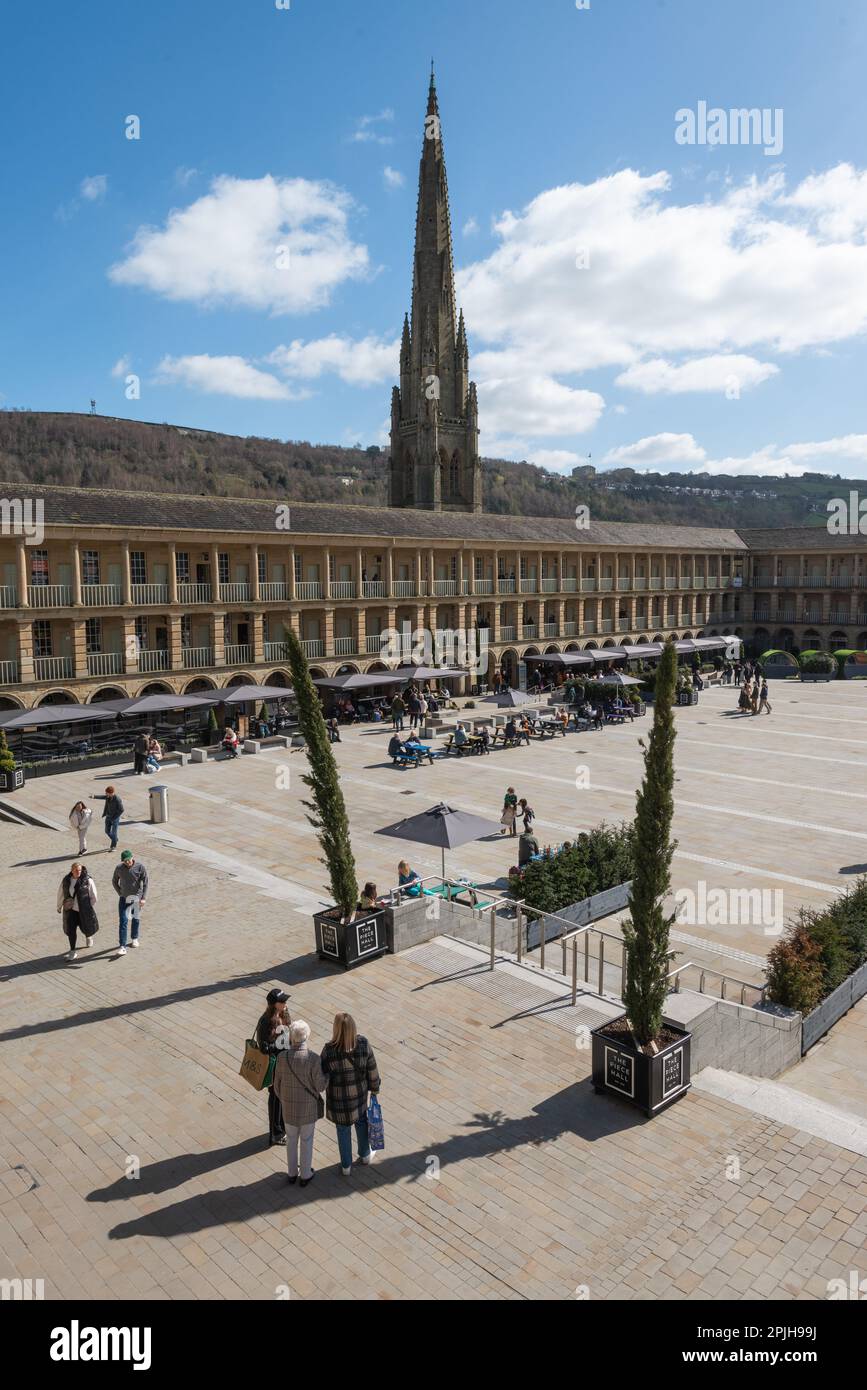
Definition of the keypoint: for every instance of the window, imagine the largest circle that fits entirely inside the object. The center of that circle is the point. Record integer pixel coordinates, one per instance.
(479, 567)
(263, 568)
(141, 633)
(39, 568)
(186, 630)
(182, 566)
(93, 635)
(223, 567)
(138, 567)
(42, 637)
(298, 572)
(90, 567)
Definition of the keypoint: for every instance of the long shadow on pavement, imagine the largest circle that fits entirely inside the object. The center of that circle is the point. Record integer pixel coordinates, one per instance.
(574, 1110)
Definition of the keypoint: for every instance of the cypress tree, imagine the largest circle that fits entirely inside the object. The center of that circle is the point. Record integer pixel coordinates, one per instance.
(327, 810)
(646, 932)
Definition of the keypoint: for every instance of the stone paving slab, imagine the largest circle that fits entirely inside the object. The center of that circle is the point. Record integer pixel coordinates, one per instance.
(504, 1176)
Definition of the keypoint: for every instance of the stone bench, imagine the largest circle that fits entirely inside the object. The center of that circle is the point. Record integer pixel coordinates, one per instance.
(177, 756)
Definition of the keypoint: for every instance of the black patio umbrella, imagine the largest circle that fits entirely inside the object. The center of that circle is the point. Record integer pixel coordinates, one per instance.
(509, 699)
(54, 714)
(246, 694)
(154, 704)
(443, 826)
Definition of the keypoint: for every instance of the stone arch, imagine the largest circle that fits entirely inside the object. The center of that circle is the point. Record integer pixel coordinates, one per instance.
(591, 646)
(9, 702)
(861, 642)
(280, 679)
(572, 647)
(106, 692)
(553, 647)
(240, 679)
(57, 697)
(348, 669)
(202, 685)
(157, 688)
(837, 640)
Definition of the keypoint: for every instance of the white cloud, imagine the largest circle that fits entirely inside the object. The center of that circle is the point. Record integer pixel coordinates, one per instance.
(280, 245)
(365, 132)
(718, 372)
(121, 366)
(224, 376)
(366, 362)
(392, 178)
(470, 227)
(682, 453)
(612, 273)
(667, 451)
(183, 175)
(556, 460)
(94, 188)
(533, 405)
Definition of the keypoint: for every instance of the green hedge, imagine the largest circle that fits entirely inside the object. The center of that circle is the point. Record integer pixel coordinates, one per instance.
(820, 949)
(599, 859)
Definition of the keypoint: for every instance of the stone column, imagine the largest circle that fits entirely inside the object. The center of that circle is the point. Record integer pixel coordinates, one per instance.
(176, 652)
(79, 649)
(361, 628)
(257, 624)
(126, 577)
(255, 592)
(25, 653)
(359, 566)
(389, 571)
(173, 572)
(23, 574)
(218, 641)
(76, 574)
(291, 576)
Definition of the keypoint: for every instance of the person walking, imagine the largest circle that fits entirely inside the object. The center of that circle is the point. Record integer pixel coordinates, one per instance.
(272, 1036)
(763, 698)
(130, 882)
(79, 818)
(527, 814)
(754, 697)
(398, 709)
(299, 1081)
(76, 902)
(111, 814)
(510, 811)
(350, 1067)
(140, 752)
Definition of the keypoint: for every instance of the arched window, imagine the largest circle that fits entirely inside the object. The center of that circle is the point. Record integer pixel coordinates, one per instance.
(455, 475)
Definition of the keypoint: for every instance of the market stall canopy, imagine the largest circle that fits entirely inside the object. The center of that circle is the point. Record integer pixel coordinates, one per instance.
(562, 658)
(644, 649)
(443, 826)
(246, 694)
(600, 654)
(154, 704)
(430, 673)
(54, 714)
(355, 681)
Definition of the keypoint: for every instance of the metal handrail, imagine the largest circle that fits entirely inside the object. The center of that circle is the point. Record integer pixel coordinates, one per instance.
(705, 970)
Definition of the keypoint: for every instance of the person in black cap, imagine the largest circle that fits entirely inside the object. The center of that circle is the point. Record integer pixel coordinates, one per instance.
(272, 1036)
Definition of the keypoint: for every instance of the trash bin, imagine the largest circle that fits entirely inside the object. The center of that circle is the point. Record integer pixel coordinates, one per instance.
(159, 804)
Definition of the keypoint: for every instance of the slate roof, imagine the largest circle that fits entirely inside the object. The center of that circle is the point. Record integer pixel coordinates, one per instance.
(91, 508)
(800, 538)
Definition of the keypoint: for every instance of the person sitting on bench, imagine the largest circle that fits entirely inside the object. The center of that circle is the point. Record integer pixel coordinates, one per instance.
(408, 880)
(461, 739)
(588, 711)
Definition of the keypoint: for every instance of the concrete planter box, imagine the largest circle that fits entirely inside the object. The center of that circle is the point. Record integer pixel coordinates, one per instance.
(350, 944)
(579, 914)
(687, 697)
(651, 1083)
(10, 781)
(816, 1024)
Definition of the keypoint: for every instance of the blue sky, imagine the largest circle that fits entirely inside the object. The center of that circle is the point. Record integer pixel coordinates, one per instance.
(628, 297)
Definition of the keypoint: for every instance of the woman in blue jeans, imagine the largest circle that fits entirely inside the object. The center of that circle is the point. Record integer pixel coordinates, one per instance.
(350, 1066)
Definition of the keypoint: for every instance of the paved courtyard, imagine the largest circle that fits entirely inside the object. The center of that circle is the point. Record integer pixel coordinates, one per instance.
(504, 1176)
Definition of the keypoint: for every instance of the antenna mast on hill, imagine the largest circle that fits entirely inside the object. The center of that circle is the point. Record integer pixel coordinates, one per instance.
(93, 407)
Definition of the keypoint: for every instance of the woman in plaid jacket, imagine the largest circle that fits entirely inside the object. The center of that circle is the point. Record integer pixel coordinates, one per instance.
(350, 1066)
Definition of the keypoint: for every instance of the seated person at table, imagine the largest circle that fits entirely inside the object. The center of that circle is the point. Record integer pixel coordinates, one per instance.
(461, 738)
(368, 901)
(524, 729)
(484, 739)
(395, 746)
(588, 711)
(511, 729)
(408, 880)
(417, 748)
(230, 742)
(528, 845)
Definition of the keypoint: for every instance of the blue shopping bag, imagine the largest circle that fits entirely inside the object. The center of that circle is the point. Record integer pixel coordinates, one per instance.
(375, 1126)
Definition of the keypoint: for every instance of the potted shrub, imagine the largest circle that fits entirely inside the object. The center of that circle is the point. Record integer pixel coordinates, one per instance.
(640, 1056)
(11, 776)
(345, 933)
(211, 734)
(817, 666)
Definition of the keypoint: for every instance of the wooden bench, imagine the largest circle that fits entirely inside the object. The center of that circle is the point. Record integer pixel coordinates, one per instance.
(499, 740)
(412, 757)
(471, 746)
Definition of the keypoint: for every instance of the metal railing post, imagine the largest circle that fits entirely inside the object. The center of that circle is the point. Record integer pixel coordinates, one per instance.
(563, 949)
(542, 925)
(601, 964)
(586, 957)
(574, 971)
(493, 933)
(519, 922)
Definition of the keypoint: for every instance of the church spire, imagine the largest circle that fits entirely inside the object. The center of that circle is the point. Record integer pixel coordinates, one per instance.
(440, 469)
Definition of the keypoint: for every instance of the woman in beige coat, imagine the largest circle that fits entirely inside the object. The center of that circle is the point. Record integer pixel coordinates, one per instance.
(299, 1082)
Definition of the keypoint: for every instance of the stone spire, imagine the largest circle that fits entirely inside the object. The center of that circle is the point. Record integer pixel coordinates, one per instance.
(434, 459)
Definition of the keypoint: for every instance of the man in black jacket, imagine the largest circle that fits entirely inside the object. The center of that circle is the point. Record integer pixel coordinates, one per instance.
(140, 751)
